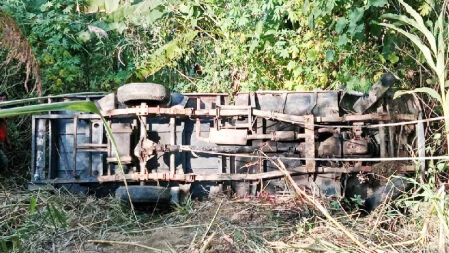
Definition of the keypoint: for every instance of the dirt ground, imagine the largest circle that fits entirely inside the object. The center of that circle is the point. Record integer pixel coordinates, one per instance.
(218, 225)
(58, 221)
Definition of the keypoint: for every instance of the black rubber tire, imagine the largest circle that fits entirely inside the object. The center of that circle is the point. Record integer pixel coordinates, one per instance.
(135, 93)
(390, 191)
(144, 194)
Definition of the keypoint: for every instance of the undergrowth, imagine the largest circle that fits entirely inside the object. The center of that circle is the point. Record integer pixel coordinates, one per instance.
(58, 221)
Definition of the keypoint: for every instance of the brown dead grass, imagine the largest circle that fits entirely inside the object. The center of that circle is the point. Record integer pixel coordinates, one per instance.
(267, 223)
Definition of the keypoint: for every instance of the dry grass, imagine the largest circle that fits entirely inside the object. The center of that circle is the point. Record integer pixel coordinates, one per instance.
(19, 49)
(58, 221)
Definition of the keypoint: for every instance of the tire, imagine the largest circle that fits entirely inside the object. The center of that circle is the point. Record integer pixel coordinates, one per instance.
(144, 194)
(136, 93)
(390, 191)
(374, 192)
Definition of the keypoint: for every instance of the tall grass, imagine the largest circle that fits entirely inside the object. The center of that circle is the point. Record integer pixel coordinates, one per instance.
(431, 38)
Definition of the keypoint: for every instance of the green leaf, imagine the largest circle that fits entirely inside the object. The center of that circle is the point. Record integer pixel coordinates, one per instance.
(28, 100)
(4, 246)
(242, 21)
(381, 58)
(60, 216)
(355, 29)
(84, 36)
(94, 5)
(377, 3)
(356, 15)
(259, 29)
(341, 25)
(136, 13)
(342, 40)
(393, 58)
(167, 53)
(330, 54)
(417, 41)
(283, 53)
(424, 9)
(429, 91)
(184, 8)
(420, 25)
(80, 106)
(111, 5)
(291, 65)
(330, 4)
(33, 201)
(441, 55)
(312, 55)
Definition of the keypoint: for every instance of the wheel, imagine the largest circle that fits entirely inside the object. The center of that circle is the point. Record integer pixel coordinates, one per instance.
(136, 93)
(391, 190)
(374, 192)
(144, 194)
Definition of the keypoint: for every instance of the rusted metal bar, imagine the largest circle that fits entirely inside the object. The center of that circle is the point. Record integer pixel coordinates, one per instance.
(380, 116)
(136, 177)
(75, 143)
(230, 111)
(227, 177)
(143, 136)
(33, 147)
(391, 130)
(309, 131)
(278, 136)
(92, 147)
(382, 141)
(391, 141)
(50, 148)
(421, 143)
(110, 151)
(172, 142)
(40, 148)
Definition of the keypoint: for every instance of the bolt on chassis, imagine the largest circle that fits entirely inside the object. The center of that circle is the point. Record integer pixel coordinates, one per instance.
(171, 143)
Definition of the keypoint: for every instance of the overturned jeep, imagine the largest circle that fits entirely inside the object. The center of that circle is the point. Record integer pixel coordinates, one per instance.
(172, 144)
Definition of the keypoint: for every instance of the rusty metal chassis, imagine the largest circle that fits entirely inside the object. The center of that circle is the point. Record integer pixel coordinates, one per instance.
(190, 178)
(307, 121)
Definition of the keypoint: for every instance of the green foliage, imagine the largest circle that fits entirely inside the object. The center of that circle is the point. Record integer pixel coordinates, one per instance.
(214, 46)
(71, 56)
(83, 106)
(165, 54)
(357, 201)
(255, 45)
(206, 46)
(432, 46)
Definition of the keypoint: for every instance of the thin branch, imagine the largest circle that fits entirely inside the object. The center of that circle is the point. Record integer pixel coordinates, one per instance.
(127, 243)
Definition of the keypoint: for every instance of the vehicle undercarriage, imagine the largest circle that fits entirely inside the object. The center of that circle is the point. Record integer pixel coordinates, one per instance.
(170, 143)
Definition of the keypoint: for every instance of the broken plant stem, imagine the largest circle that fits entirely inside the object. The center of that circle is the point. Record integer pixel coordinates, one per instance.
(207, 242)
(211, 222)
